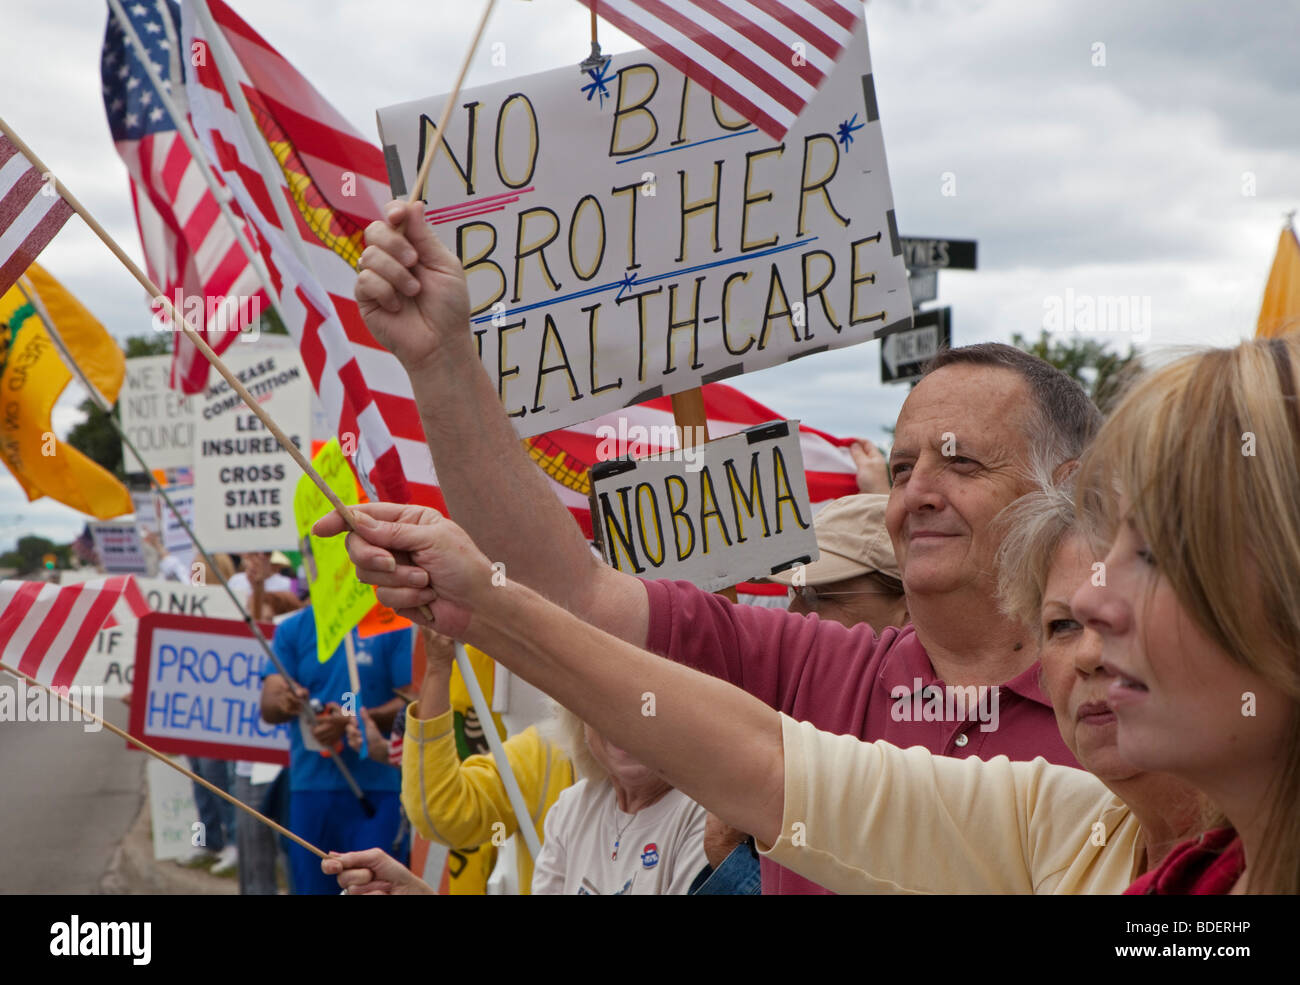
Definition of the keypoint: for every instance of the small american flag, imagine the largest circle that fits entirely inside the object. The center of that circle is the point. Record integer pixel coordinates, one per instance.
(188, 245)
(31, 213)
(46, 630)
(763, 58)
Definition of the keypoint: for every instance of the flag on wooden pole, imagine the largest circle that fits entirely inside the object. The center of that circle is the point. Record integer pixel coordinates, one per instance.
(763, 58)
(188, 247)
(46, 630)
(31, 213)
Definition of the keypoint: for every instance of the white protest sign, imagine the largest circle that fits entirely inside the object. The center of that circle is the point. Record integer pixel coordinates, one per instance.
(158, 420)
(175, 539)
(197, 690)
(145, 509)
(110, 661)
(119, 548)
(172, 813)
(243, 479)
(182, 599)
(731, 509)
(627, 236)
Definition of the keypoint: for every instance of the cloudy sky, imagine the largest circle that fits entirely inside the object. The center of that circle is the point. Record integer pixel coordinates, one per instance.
(1100, 148)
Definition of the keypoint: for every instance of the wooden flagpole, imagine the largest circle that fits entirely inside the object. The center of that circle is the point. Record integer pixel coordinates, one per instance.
(145, 747)
(417, 190)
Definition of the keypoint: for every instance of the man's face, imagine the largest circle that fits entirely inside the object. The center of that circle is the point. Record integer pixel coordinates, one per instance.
(960, 455)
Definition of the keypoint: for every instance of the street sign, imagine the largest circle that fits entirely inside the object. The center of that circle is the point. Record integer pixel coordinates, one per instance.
(939, 254)
(924, 285)
(903, 354)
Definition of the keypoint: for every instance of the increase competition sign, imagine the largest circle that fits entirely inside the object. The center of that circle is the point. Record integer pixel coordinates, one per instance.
(625, 235)
(243, 479)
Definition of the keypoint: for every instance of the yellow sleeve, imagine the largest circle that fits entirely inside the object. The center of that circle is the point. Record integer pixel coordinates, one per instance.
(459, 804)
(868, 817)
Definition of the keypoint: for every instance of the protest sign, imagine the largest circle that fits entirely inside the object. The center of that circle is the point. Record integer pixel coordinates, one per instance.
(243, 479)
(625, 235)
(197, 690)
(175, 539)
(145, 510)
(110, 661)
(158, 420)
(117, 542)
(339, 600)
(172, 814)
(714, 515)
(179, 598)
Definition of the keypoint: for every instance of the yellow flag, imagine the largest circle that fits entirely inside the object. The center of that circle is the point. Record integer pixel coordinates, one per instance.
(1280, 312)
(32, 378)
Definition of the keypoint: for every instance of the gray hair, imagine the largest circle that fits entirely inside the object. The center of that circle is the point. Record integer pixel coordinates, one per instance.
(1064, 419)
(1035, 526)
(567, 731)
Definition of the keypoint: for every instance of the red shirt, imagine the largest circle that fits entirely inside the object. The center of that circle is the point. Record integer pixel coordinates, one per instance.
(1206, 866)
(842, 681)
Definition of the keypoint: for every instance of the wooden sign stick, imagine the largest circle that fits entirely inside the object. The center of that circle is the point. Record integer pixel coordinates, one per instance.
(417, 190)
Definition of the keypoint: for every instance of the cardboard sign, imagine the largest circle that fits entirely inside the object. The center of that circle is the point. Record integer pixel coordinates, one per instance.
(158, 420)
(172, 814)
(339, 599)
(243, 479)
(119, 548)
(175, 539)
(110, 661)
(197, 690)
(625, 235)
(737, 508)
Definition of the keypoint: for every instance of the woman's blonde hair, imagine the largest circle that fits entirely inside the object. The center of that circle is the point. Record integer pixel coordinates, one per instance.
(567, 731)
(1207, 451)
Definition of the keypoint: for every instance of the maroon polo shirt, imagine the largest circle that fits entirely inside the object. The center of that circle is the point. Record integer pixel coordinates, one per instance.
(842, 681)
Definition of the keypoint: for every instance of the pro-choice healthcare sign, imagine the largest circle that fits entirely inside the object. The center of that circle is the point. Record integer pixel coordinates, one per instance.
(625, 235)
(197, 690)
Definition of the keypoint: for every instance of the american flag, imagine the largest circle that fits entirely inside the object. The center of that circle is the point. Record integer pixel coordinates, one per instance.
(46, 630)
(763, 58)
(31, 213)
(188, 245)
(334, 183)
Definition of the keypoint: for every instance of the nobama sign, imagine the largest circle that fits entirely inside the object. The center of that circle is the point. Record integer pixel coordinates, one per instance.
(737, 508)
(625, 235)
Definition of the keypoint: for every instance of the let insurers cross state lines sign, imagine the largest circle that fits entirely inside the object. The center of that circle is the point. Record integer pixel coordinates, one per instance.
(626, 236)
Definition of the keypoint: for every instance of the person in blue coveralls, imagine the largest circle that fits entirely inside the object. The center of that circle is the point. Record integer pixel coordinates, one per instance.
(322, 808)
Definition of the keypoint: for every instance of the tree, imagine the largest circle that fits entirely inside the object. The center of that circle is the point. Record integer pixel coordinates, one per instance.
(1102, 373)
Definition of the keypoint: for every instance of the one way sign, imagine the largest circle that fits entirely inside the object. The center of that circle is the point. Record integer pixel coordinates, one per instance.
(903, 354)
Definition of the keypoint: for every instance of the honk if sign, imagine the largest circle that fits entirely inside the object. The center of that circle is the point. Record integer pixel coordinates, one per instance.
(733, 509)
(625, 235)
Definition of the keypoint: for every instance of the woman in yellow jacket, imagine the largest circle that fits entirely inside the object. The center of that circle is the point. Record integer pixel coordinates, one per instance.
(462, 803)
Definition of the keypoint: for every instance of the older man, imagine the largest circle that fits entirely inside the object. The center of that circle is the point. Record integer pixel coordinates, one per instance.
(984, 426)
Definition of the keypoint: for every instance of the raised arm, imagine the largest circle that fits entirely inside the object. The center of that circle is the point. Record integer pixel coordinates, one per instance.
(412, 294)
(713, 741)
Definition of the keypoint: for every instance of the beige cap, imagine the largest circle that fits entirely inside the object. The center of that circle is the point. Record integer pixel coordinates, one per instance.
(853, 541)
(280, 560)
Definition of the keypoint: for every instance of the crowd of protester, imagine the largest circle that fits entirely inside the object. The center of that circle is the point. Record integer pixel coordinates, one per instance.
(1041, 652)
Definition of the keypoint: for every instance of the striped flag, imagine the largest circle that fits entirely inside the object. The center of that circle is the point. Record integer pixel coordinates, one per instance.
(46, 630)
(189, 247)
(762, 58)
(334, 183)
(31, 213)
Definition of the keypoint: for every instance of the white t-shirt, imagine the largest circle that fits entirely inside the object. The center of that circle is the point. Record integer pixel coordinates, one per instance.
(240, 585)
(660, 848)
